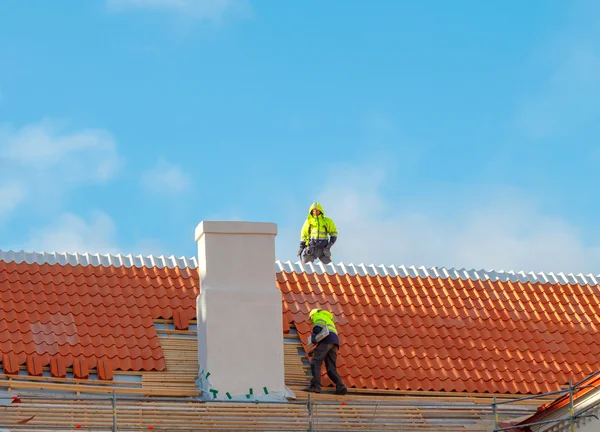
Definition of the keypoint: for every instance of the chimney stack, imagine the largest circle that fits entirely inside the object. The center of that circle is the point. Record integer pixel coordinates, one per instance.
(239, 312)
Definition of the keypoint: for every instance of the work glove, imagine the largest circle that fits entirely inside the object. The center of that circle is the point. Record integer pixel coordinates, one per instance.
(332, 240)
(310, 353)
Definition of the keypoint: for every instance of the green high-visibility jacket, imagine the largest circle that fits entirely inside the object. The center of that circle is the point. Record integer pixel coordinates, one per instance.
(324, 318)
(317, 227)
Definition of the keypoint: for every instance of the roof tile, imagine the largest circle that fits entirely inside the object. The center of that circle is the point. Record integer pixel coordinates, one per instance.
(10, 363)
(412, 333)
(80, 368)
(58, 313)
(400, 328)
(57, 366)
(34, 365)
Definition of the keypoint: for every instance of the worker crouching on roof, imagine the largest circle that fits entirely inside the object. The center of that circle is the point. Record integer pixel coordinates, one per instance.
(317, 236)
(325, 336)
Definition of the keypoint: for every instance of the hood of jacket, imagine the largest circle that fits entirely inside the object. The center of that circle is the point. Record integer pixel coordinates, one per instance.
(317, 206)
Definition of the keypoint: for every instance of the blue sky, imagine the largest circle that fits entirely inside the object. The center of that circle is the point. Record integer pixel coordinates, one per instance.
(436, 133)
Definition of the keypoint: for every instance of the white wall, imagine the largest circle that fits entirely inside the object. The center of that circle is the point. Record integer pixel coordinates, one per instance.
(239, 309)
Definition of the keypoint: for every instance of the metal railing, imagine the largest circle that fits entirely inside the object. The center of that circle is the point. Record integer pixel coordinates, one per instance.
(112, 413)
(572, 417)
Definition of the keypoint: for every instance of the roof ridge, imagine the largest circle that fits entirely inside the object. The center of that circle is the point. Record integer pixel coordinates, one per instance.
(171, 261)
(438, 272)
(97, 259)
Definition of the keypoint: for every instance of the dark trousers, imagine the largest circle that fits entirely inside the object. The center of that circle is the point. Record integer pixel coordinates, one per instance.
(317, 250)
(314, 252)
(328, 354)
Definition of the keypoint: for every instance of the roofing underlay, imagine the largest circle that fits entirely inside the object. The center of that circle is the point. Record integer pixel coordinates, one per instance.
(401, 328)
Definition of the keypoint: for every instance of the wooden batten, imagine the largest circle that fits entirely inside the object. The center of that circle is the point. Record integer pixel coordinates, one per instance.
(181, 357)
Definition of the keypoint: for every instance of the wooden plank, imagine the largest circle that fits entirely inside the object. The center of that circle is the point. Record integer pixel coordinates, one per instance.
(181, 358)
(44, 379)
(176, 332)
(96, 388)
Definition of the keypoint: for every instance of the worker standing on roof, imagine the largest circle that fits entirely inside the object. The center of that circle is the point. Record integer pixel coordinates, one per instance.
(318, 234)
(325, 337)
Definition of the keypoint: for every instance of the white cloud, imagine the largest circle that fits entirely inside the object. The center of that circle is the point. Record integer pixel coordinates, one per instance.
(213, 10)
(490, 230)
(41, 162)
(89, 154)
(96, 233)
(73, 234)
(166, 177)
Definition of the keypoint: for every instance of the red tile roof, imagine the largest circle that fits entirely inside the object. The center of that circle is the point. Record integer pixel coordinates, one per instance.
(89, 316)
(444, 334)
(434, 331)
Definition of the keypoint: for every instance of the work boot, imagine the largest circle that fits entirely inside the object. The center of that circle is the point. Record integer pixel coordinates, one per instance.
(312, 389)
(341, 391)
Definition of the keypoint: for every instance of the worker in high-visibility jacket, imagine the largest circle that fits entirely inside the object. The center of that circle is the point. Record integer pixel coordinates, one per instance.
(325, 344)
(317, 236)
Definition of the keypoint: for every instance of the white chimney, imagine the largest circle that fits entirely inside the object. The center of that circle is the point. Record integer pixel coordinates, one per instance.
(239, 311)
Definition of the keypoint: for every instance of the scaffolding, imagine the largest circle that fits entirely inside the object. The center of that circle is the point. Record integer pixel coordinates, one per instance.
(112, 413)
(573, 414)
